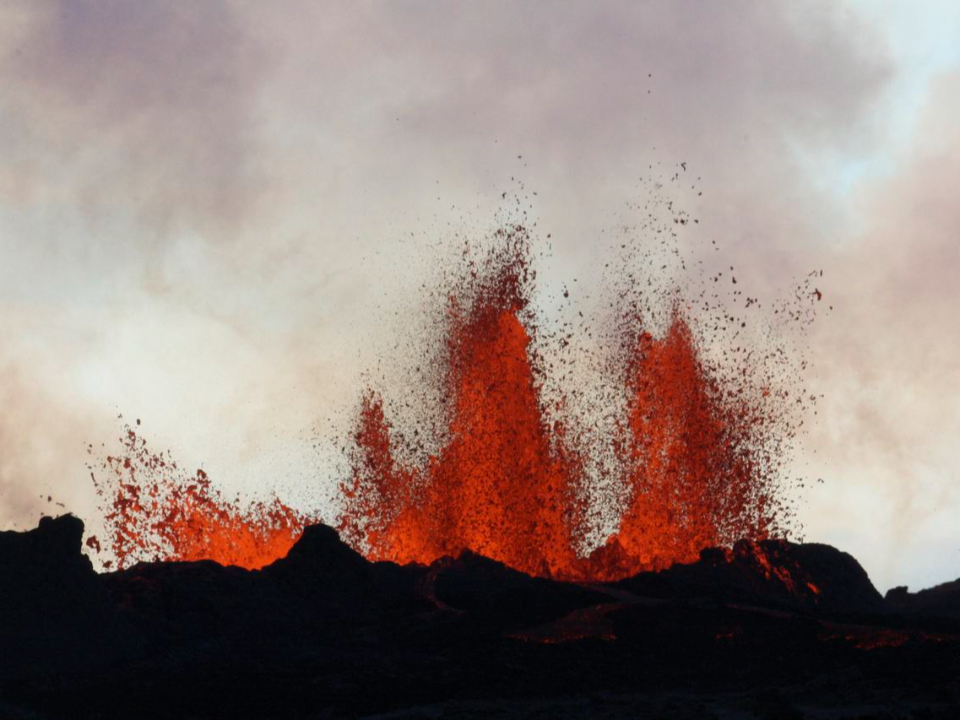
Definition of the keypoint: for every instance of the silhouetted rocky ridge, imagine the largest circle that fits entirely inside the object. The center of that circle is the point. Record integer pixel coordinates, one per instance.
(768, 629)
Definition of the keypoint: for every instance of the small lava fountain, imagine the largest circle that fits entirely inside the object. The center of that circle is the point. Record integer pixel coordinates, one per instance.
(155, 510)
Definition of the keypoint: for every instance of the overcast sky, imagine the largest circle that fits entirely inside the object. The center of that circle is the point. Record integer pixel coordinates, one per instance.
(210, 213)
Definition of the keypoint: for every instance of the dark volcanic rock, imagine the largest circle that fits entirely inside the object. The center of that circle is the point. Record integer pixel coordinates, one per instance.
(188, 605)
(762, 630)
(322, 589)
(329, 574)
(490, 592)
(325, 571)
(940, 601)
(320, 555)
(54, 613)
(771, 573)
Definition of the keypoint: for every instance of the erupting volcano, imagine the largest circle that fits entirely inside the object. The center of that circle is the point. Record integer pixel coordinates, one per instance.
(695, 456)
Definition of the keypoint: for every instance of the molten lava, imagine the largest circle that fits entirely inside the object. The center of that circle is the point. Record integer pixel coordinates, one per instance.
(157, 512)
(497, 487)
(692, 458)
(505, 485)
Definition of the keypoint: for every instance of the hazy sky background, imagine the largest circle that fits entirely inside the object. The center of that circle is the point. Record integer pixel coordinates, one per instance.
(209, 212)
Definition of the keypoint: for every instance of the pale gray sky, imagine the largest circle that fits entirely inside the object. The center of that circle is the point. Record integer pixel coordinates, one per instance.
(210, 213)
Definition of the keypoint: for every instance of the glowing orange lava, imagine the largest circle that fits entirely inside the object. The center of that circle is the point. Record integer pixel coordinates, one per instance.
(504, 485)
(158, 512)
(497, 487)
(691, 463)
(694, 462)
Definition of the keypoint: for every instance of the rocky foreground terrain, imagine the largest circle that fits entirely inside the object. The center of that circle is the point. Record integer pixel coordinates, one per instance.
(761, 630)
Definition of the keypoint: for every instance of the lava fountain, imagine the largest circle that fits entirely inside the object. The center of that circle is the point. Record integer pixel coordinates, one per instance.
(499, 487)
(698, 458)
(155, 510)
(693, 454)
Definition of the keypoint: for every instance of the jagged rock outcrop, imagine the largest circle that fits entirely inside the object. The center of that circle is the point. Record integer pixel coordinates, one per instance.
(771, 573)
(939, 601)
(55, 615)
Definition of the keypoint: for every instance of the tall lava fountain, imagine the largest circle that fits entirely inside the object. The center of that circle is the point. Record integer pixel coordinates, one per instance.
(508, 484)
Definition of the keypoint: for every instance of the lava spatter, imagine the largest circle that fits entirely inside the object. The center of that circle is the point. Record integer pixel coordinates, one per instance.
(498, 486)
(156, 511)
(691, 455)
(692, 458)
(695, 462)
